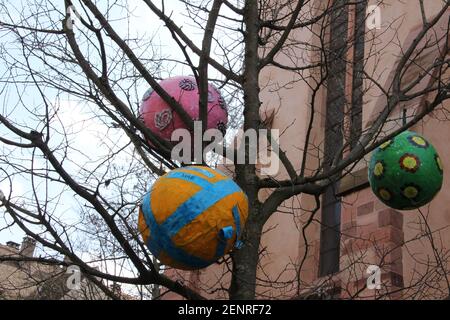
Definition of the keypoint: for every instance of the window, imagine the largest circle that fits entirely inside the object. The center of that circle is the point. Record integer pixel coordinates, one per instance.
(330, 235)
(335, 108)
(358, 73)
(334, 119)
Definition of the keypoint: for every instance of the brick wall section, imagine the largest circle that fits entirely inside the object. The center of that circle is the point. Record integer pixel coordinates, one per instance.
(366, 208)
(371, 234)
(390, 217)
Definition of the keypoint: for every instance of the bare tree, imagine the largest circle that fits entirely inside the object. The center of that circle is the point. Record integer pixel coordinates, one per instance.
(51, 65)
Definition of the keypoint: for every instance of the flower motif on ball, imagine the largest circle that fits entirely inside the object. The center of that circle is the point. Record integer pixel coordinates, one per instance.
(385, 144)
(418, 141)
(378, 169)
(439, 163)
(409, 162)
(163, 119)
(187, 84)
(411, 191)
(385, 194)
(221, 100)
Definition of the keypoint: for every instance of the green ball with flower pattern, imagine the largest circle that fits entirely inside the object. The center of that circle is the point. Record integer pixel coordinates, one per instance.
(405, 172)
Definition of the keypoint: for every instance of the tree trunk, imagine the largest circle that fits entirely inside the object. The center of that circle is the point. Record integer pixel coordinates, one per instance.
(245, 260)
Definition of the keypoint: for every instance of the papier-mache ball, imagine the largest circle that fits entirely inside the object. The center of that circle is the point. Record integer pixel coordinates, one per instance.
(405, 172)
(159, 117)
(192, 216)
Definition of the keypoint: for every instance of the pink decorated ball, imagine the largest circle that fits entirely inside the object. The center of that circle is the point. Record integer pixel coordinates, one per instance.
(159, 117)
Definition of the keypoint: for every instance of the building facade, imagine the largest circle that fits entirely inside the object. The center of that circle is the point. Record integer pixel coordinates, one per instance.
(24, 277)
(330, 251)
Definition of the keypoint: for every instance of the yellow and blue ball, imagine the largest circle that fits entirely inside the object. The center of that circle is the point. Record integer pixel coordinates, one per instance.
(192, 216)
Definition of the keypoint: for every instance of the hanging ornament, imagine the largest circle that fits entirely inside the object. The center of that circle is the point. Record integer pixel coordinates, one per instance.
(159, 117)
(405, 172)
(192, 216)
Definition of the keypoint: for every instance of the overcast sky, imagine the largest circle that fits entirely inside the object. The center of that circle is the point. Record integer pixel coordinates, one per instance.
(142, 23)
